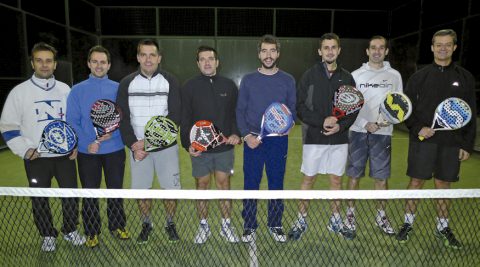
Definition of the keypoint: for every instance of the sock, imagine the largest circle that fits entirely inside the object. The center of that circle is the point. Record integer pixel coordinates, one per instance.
(225, 221)
(169, 220)
(302, 217)
(381, 213)
(409, 218)
(146, 219)
(350, 210)
(335, 217)
(442, 223)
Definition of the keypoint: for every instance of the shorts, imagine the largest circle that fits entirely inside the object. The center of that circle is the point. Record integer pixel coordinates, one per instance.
(164, 163)
(427, 160)
(324, 159)
(207, 163)
(375, 148)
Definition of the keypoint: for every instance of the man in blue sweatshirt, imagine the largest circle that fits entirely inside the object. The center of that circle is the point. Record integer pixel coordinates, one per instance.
(258, 90)
(106, 152)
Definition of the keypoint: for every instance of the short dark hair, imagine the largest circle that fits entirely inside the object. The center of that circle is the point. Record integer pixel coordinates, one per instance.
(268, 39)
(148, 42)
(445, 32)
(378, 37)
(328, 36)
(41, 46)
(204, 48)
(99, 49)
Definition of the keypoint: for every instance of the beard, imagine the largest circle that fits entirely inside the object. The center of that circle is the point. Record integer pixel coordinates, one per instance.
(274, 64)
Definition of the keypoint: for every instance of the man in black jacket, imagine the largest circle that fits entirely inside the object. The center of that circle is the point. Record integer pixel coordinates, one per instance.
(211, 97)
(440, 154)
(325, 145)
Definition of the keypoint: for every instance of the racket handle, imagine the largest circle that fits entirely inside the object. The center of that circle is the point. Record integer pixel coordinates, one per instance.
(421, 138)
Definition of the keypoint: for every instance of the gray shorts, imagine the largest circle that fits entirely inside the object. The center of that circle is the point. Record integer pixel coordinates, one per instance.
(164, 163)
(207, 163)
(375, 148)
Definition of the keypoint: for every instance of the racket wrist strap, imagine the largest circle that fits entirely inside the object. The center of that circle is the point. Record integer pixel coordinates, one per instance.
(245, 137)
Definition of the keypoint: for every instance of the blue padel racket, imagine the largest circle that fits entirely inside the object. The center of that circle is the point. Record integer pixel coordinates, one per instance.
(395, 108)
(58, 137)
(277, 120)
(160, 132)
(451, 114)
(106, 117)
(347, 100)
(205, 136)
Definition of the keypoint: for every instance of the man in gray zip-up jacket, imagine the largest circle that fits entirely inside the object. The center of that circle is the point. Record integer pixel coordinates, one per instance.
(141, 95)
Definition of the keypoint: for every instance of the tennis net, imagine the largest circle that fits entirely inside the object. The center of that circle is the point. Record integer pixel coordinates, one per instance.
(20, 242)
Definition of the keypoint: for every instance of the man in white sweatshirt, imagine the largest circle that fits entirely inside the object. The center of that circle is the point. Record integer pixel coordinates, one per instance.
(29, 107)
(369, 141)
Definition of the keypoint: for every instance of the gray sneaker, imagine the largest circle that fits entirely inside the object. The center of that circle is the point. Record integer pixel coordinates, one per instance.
(299, 227)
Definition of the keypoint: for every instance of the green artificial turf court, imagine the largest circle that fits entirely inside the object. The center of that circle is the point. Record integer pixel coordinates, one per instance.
(13, 174)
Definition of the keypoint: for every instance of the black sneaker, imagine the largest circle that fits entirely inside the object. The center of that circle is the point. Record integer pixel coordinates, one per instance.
(171, 232)
(347, 233)
(448, 238)
(248, 235)
(143, 236)
(402, 235)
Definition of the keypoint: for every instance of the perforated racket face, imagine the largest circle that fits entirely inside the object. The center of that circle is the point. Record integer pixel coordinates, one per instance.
(453, 113)
(396, 107)
(58, 137)
(204, 136)
(106, 116)
(277, 119)
(347, 100)
(159, 132)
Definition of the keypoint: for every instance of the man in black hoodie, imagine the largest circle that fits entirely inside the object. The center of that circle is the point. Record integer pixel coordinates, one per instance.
(209, 96)
(325, 144)
(440, 153)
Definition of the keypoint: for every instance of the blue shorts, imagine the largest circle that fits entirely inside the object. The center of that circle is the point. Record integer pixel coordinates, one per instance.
(375, 148)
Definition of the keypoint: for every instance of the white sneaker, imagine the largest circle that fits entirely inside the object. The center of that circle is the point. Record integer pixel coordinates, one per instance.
(384, 224)
(202, 234)
(75, 238)
(228, 232)
(278, 234)
(48, 244)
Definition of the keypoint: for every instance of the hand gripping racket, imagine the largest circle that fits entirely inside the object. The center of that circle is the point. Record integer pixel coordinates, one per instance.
(205, 136)
(451, 114)
(106, 117)
(276, 120)
(347, 100)
(160, 132)
(58, 137)
(395, 108)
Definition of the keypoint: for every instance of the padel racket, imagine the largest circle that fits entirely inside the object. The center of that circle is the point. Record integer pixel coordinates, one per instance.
(347, 100)
(276, 120)
(395, 108)
(205, 136)
(58, 137)
(160, 132)
(451, 114)
(106, 117)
